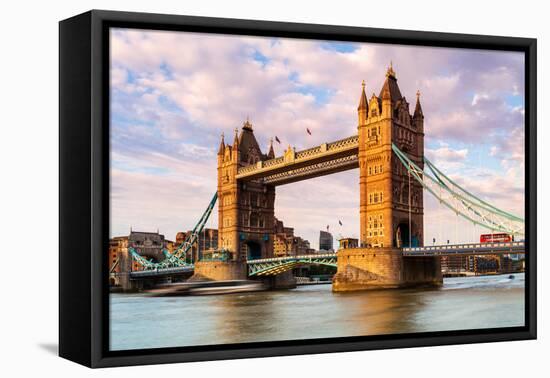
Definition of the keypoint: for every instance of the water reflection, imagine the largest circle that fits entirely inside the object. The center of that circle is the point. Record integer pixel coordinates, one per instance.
(314, 312)
(236, 312)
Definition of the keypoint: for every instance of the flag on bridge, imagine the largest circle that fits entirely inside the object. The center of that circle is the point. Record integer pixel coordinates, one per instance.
(340, 222)
(308, 131)
(277, 139)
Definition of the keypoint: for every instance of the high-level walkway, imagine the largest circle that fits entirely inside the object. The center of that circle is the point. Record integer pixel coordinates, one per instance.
(294, 166)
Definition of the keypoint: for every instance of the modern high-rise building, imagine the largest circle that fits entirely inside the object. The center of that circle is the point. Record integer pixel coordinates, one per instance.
(325, 241)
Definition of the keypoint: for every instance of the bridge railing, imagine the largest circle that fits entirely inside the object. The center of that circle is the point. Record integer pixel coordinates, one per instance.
(348, 142)
(467, 249)
(271, 162)
(309, 152)
(500, 245)
(161, 271)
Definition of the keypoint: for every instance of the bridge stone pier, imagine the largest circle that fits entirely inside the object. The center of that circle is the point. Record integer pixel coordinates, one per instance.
(236, 270)
(384, 268)
(391, 202)
(220, 270)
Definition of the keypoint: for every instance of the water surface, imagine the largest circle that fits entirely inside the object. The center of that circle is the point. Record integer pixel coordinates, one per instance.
(314, 311)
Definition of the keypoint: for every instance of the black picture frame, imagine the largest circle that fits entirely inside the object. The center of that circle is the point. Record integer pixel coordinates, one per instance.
(84, 187)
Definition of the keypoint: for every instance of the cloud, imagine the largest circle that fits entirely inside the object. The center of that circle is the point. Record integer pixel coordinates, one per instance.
(173, 94)
(445, 153)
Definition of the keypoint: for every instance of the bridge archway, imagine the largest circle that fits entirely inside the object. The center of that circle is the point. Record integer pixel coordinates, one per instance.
(402, 233)
(254, 250)
(279, 265)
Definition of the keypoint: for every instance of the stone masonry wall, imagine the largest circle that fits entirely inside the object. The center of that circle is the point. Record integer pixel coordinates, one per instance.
(383, 268)
(367, 268)
(220, 271)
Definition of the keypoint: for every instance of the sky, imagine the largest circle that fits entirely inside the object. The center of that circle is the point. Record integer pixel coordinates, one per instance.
(174, 93)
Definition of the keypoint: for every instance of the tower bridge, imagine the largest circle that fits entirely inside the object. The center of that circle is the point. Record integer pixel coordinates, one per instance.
(388, 152)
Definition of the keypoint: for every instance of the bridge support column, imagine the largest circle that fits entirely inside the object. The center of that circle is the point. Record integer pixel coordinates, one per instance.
(284, 280)
(128, 285)
(383, 268)
(422, 271)
(219, 270)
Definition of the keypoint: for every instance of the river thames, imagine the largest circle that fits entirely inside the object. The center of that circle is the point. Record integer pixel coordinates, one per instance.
(314, 311)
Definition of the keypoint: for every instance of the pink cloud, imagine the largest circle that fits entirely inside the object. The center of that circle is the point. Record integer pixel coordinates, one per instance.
(215, 83)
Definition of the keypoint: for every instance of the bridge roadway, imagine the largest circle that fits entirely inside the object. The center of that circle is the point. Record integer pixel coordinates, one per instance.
(276, 265)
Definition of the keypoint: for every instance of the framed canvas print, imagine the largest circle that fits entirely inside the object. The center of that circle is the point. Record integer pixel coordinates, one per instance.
(234, 188)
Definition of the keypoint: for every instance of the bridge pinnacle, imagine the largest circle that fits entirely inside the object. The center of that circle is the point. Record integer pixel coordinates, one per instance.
(363, 100)
(390, 72)
(418, 108)
(221, 150)
(236, 139)
(247, 124)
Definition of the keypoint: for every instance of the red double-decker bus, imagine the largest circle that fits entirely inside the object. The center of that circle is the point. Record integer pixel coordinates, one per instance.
(495, 238)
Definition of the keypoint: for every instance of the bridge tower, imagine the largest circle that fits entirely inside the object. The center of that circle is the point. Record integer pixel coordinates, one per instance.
(391, 205)
(245, 209)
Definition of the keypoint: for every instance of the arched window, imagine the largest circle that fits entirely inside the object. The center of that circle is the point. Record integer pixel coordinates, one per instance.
(254, 220)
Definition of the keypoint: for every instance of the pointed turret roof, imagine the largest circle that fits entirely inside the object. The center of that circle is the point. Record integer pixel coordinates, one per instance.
(222, 147)
(236, 139)
(271, 152)
(247, 141)
(418, 108)
(390, 89)
(247, 124)
(363, 101)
